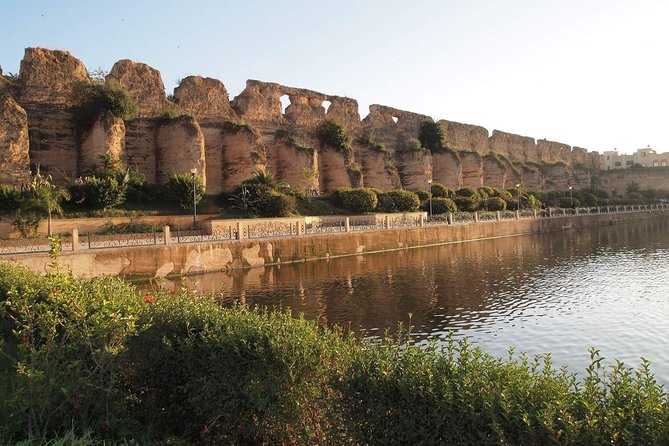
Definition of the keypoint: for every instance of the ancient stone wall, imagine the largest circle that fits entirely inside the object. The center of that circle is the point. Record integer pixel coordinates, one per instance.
(619, 181)
(467, 137)
(226, 141)
(14, 158)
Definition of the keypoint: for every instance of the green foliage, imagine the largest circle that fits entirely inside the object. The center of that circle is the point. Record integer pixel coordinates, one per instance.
(262, 195)
(412, 145)
(272, 203)
(10, 198)
(87, 361)
(533, 202)
(98, 100)
(441, 191)
(566, 202)
(337, 196)
(468, 192)
(357, 200)
(466, 204)
(331, 133)
(131, 227)
(398, 201)
(431, 136)
(485, 192)
(441, 205)
(422, 194)
(62, 338)
(40, 197)
(368, 141)
(587, 199)
(180, 189)
(494, 204)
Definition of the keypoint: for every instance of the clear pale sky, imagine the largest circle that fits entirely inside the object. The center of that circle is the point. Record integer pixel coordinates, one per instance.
(593, 74)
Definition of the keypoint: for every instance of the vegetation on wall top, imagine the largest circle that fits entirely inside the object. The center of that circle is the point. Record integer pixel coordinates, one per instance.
(97, 100)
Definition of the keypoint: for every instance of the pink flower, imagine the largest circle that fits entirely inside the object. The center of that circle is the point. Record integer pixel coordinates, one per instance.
(24, 340)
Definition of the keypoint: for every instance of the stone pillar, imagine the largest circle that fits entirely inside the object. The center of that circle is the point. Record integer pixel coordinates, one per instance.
(167, 235)
(517, 214)
(550, 212)
(386, 222)
(535, 213)
(476, 217)
(347, 225)
(422, 220)
(498, 216)
(239, 231)
(449, 219)
(576, 211)
(75, 239)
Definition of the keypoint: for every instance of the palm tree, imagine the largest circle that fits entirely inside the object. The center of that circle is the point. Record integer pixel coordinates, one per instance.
(266, 178)
(44, 196)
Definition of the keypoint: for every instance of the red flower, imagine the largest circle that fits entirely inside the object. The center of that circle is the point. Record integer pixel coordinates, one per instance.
(54, 292)
(24, 340)
(149, 299)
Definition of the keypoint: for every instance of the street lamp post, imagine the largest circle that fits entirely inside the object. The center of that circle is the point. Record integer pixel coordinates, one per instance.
(518, 188)
(193, 172)
(571, 197)
(429, 190)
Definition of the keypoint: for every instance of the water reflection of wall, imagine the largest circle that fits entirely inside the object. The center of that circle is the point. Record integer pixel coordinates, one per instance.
(444, 287)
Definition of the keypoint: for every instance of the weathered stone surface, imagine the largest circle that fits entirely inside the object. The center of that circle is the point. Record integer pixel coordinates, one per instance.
(143, 83)
(619, 180)
(513, 174)
(14, 158)
(579, 156)
(204, 98)
(581, 177)
(447, 169)
(465, 136)
(553, 152)
(179, 149)
(295, 164)
(494, 171)
(140, 147)
(391, 126)
(259, 102)
(344, 110)
(415, 168)
(48, 76)
(105, 137)
(472, 169)
(378, 168)
(557, 176)
(53, 139)
(233, 152)
(514, 147)
(334, 170)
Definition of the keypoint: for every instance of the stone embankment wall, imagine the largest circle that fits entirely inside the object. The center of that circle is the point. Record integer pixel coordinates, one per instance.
(160, 261)
(199, 127)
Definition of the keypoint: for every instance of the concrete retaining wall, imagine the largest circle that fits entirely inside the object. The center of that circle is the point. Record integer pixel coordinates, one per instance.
(160, 261)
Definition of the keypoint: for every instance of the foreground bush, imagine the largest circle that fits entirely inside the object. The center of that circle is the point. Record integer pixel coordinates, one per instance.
(356, 199)
(441, 206)
(86, 361)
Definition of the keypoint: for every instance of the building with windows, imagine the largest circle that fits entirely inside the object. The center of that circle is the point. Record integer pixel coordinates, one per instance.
(645, 157)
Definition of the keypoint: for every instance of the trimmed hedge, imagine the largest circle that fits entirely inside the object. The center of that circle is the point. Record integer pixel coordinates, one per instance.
(494, 204)
(357, 200)
(466, 204)
(441, 191)
(441, 205)
(398, 201)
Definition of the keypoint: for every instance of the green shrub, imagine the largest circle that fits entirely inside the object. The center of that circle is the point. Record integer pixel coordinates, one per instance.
(566, 202)
(10, 198)
(102, 100)
(505, 195)
(398, 201)
(494, 204)
(441, 191)
(485, 192)
(466, 204)
(103, 192)
(230, 376)
(332, 133)
(588, 199)
(441, 205)
(422, 194)
(468, 192)
(431, 136)
(358, 200)
(272, 203)
(180, 189)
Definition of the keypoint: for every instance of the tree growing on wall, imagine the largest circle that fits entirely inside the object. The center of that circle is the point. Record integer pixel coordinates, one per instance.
(43, 197)
(431, 136)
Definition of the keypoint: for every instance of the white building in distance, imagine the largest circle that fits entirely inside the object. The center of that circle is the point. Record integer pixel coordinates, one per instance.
(646, 157)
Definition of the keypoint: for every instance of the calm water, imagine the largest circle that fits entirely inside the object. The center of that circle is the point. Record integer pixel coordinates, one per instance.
(560, 293)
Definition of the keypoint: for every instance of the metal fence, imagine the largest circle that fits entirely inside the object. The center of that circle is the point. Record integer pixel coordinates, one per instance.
(267, 228)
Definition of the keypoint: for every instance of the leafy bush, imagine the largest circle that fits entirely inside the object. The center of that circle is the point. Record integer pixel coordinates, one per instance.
(494, 204)
(103, 100)
(398, 201)
(485, 192)
(422, 194)
(431, 136)
(566, 202)
(441, 205)
(588, 199)
(466, 204)
(468, 192)
(10, 198)
(104, 192)
(441, 191)
(533, 202)
(337, 196)
(331, 133)
(272, 203)
(180, 188)
(357, 200)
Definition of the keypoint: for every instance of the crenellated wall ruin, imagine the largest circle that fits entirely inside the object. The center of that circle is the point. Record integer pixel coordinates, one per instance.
(199, 127)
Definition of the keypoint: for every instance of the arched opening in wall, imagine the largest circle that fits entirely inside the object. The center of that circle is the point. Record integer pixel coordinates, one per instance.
(395, 118)
(326, 105)
(285, 102)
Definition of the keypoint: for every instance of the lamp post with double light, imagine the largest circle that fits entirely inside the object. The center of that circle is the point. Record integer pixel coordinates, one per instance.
(571, 197)
(518, 188)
